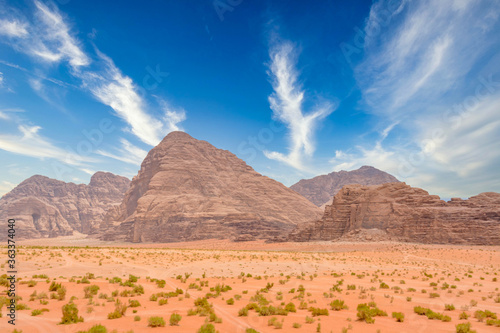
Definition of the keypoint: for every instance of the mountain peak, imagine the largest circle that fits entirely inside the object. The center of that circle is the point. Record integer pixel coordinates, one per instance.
(187, 189)
(177, 136)
(321, 189)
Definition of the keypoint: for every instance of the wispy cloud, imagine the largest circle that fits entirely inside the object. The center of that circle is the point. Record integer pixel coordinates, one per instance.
(13, 28)
(5, 187)
(50, 39)
(29, 142)
(118, 91)
(56, 43)
(287, 105)
(128, 153)
(434, 72)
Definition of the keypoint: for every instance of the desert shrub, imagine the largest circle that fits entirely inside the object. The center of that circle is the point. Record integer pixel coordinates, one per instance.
(399, 316)
(38, 312)
(464, 328)
(54, 286)
(98, 329)
(243, 312)
(70, 314)
(364, 314)
(318, 312)
(22, 306)
(207, 328)
(175, 318)
(230, 301)
(119, 312)
(156, 322)
(338, 305)
(90, 291)
(290, 307)
(481, 315)
(296, 325)
(449, 307)
(463, 315)
(133, 303)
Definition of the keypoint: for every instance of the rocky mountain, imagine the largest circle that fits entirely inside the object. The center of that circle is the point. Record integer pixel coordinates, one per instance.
(187, 189)
(321, 189)
(396, 211)
(45, 207)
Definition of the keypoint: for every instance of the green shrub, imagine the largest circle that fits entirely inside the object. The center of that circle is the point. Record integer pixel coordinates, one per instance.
(290, 307)
(399, 316)
(464, 328)
(70, 314)
(133, 303)
(449, 307)
(98, 329)
(207, 328)
(119, 312)
(463, 315)
(338, 305)
(175, 319)
(318, 312)
(156, 322)
(90, 291)
(243, 312)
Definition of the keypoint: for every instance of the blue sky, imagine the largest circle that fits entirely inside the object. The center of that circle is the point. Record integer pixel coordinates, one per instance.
(410, 87)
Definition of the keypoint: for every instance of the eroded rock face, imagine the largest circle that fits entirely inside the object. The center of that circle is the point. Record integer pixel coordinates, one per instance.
(45, 207)
(409, 214)
(321, 189)
(189, 190)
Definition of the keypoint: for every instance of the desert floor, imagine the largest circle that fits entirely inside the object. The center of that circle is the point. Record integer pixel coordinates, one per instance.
(394, 277)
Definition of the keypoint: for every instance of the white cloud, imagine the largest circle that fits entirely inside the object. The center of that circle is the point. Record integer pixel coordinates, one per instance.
(55, 41)
(119, 92)
(29, 142)
(5, 187)
(51, 40)
(13, 28)
(287, 105)
(128, 153)
(434, 72)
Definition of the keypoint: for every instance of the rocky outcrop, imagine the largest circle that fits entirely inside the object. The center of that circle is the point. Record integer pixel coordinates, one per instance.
(321, 189)
(404, 213)
(45, 207)
(187, 189)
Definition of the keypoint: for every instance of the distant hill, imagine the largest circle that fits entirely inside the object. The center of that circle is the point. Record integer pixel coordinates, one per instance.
(321, 189)
(46, 207)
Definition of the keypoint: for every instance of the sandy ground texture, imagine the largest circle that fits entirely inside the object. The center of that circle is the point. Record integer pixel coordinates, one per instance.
(252, 285)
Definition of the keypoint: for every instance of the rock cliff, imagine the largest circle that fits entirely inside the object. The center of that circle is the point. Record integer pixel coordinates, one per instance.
(396, 211)
(187, 189)
(45, 207)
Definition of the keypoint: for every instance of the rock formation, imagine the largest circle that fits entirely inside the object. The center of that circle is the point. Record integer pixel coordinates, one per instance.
(404, 213)
(45, 207)
(187, 189)
(321, 189)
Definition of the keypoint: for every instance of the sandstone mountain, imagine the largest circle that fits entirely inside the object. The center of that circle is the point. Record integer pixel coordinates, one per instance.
(396, 211)
(321, 189)
(187, 189)
(45, 207)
